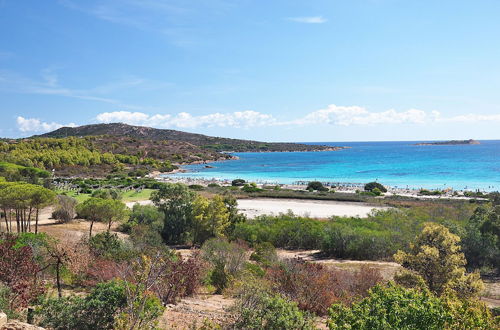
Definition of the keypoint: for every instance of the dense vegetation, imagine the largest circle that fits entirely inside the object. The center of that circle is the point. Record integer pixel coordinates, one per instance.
(208, 143)
(77, 155)
(109, 280)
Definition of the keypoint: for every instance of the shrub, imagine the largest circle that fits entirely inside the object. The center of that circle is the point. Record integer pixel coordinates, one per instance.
(196, 187)
(372, 185)
(391, 307)
(65, 210)
(250, 188)
(265, 254)
(179, 278)
(226, 260)
(108, 246)
(285, 231)
(147, 215)
(19, 273)
(237, 182)
(315, 287)
(316, 185)
(95, 311)
(394, 307)
(259, 310)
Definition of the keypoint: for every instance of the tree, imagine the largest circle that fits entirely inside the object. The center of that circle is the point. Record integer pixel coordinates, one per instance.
(237, 182)
(65, 209)
(98, 209)
(210, 218)
(235, 216)
(40, 198)
(144, 215)
(375, 185)
(436, 258)
(175, 200)
(23, 201)
(316, 185)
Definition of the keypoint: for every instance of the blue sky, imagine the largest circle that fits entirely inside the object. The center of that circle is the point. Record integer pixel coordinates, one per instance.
(284, 70)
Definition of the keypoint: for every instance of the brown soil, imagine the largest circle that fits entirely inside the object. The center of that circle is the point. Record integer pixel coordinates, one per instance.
(192, 312)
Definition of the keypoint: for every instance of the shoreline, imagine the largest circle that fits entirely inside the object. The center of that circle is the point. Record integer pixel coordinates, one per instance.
(343, 187)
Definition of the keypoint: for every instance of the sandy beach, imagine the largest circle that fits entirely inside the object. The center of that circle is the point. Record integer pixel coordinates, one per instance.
(311, 208)
(253, 207)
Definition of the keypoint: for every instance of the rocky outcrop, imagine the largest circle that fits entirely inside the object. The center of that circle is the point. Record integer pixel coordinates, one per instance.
(16, 325)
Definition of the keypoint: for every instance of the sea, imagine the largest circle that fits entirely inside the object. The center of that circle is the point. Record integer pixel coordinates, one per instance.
(396, 164)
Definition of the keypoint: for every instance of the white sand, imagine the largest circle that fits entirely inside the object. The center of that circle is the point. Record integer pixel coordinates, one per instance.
(312, 208)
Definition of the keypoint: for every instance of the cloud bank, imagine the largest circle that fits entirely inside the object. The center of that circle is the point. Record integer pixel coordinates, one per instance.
(331, 115)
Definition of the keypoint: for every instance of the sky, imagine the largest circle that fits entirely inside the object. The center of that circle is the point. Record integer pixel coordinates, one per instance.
(270, 70)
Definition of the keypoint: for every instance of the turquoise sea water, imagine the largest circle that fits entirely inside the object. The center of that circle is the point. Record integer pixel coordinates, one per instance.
(399, 164)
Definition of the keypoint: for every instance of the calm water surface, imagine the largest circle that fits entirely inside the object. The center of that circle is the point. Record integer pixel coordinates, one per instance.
(399, 164)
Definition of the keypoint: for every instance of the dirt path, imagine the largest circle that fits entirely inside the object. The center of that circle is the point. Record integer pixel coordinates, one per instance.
(387, 269)
(193, 311)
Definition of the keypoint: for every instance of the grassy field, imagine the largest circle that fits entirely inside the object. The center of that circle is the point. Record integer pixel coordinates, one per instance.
(129, 196)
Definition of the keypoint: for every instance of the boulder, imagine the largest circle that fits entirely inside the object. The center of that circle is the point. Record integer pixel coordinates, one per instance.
(3, 319)
(16, 325)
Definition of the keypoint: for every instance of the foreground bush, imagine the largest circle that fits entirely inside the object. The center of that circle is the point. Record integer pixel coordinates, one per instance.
(260, 310)
(95, 311)
(395, 307)
(391, 308)
(435, 258)
(315, 287)
(226, 260)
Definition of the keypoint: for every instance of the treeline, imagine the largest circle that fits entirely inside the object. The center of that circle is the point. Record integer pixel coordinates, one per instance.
(52, 153)
(20, 204)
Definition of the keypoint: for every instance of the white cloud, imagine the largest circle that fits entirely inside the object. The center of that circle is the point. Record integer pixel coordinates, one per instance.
(473, 118)
(239, 119)
(36, 125)
(331, 115)
(309, 19)
(355, 115)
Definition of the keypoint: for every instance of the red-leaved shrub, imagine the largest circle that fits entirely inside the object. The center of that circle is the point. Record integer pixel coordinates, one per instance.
(19, 272)
(315, 287)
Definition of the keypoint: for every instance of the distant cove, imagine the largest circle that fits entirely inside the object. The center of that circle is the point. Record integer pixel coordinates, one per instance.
(400, 164)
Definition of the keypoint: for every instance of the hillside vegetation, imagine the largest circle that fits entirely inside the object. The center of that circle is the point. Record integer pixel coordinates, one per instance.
(203, 141)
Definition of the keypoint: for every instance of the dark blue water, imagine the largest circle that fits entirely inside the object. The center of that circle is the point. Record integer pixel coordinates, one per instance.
(399, 164)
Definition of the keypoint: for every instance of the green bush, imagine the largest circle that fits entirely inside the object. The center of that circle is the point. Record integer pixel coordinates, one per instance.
(375, 185)
(391, 307)
(95, 311)
(109, 246)
(394, 307)
(316, 185)
(196, 187)
(226, 260)
(237, 182)
(250, 188)
(258, 310)
(265, 254)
